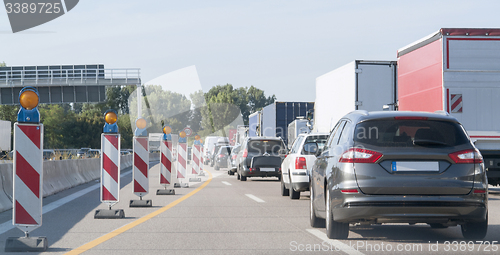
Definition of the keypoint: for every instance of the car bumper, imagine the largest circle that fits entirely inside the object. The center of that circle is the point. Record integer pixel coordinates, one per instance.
(420, 209)
(300, 180)
(222, 163)
(300, 186)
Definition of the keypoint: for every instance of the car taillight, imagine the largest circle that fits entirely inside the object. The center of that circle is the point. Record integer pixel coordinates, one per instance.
(358, 155)
(349, 190)
(221, 155)
(470, 156)
(300, 163)
(245, 153)
(479, 191)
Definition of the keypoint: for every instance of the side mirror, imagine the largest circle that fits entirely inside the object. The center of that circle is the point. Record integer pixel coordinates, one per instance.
(311, 148)
(318, 153)
(283, 152)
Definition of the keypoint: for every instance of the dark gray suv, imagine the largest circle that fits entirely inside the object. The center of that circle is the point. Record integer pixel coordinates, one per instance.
(399, 167)
(260, 157)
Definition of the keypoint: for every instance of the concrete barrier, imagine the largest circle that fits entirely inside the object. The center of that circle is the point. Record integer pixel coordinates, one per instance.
(59, 175)
(6, 187)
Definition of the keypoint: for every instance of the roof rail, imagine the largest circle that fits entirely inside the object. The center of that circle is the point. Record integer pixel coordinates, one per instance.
(363, 112)
(445, 113)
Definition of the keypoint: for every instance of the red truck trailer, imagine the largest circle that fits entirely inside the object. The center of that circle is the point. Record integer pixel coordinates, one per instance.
(457, 70)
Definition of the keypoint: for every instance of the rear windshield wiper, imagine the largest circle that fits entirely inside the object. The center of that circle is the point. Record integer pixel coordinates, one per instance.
(428, 142)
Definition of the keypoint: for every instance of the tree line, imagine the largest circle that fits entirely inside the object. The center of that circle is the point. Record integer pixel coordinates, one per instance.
(76, 125)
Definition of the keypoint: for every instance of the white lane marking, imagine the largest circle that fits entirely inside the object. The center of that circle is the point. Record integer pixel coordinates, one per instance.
(227, 183)
(338, 244)
(255, 198)
(6, 226)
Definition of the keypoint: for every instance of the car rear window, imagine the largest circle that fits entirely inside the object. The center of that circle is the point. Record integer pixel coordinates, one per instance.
(265, 146)
(225, 150)
(407, 133)
(320, 140)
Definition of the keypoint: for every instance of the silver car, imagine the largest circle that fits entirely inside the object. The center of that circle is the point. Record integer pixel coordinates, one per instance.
(399, 167)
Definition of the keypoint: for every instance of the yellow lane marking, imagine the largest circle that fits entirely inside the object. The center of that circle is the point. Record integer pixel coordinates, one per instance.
(137, 222)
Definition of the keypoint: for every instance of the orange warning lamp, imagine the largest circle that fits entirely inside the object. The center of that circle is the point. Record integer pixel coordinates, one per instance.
(140, 123)
(182, 134)
(29, 99)
(167, 130)
(197, 137)
(110, 117)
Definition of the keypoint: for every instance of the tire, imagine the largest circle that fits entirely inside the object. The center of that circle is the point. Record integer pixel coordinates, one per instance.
(237, 176)
(293, 194)
(475, 230)
(279, 177)
(315, 221)
(284, 190)
(334, 229)
(438, 225)
(243, 178)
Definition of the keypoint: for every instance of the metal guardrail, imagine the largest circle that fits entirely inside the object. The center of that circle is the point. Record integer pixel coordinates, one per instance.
(99, 76)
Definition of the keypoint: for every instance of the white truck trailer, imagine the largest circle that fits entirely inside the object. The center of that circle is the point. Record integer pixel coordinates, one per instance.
(457, 70)
(359, 85)
(297, 127)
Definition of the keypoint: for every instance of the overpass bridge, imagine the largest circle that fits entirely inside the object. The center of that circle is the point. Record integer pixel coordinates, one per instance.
(64, 83)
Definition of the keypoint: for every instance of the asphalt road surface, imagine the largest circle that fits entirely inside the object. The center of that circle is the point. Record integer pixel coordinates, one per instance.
(222, 215)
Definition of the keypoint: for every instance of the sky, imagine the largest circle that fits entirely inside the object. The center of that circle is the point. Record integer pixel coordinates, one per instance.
(278, 46)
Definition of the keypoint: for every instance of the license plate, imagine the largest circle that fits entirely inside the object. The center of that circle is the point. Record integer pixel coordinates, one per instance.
(404, 166)
(267, 169)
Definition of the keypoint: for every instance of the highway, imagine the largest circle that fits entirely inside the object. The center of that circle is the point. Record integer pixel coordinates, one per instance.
(222, 215)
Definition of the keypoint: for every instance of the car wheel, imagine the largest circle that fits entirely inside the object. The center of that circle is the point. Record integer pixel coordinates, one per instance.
(475, 230)
(315, 221)
(284, 190)
(293, 194)
(237, 176)
(334, 229)
(243, 178)
(437, 225)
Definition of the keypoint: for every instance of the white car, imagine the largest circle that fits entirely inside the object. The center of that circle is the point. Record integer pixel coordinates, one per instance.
(295, 168)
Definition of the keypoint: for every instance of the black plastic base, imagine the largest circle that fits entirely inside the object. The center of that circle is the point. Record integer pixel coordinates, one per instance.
(194, 179)
(24, 244)
(109, 214)
(165, 192)
(181, 185)
(141, 203)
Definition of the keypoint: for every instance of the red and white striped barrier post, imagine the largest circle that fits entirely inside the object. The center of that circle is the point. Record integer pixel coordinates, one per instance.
(110, 168)
(195, 163)
(202, 173)
(166, 163)
(27, 174)
(182, 160)
(140, 164)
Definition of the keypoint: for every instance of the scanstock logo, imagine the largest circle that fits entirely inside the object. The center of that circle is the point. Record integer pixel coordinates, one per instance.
(26, 14)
